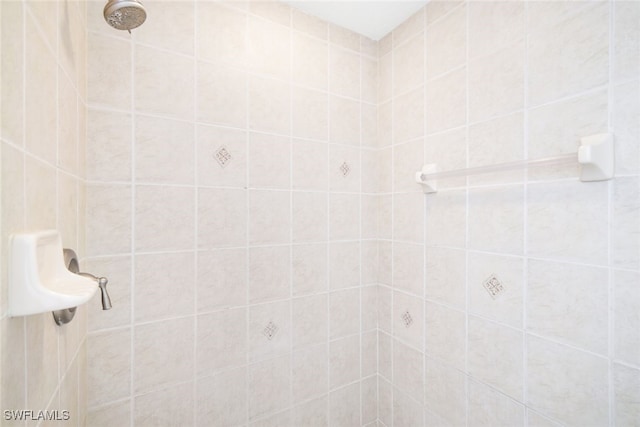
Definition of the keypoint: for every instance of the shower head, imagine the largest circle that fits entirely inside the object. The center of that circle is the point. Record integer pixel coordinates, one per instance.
(124, 14)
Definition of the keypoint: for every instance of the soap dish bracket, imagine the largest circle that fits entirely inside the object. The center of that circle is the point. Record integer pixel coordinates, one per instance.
(39, 280)
(65, 315)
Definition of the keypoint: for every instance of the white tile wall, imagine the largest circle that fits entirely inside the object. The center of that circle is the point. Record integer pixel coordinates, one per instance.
(344, 406)
(165, 406)
(505, 81)
(230, 263)
(309, 373)
(488, 407)
(445, 392)
(221, 398)
(406, 411)
(625, 384)
(567, 384)
(496, 83)
(239, 287)
(495, 356)
(578, 58)
(626, 345)
(42, 144)
(575, 312)
(159, 345)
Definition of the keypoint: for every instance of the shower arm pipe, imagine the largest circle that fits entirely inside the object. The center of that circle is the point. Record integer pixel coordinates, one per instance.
(595, 155)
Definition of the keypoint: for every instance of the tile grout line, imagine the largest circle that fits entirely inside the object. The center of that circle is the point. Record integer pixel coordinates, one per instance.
(425, 234)
(467, 397)
(196, 195)
(393, 199)
(291, 213)
(525, 226)
(24, 180)
(60, 333)
(81, 184)
(611, 224)
(329, 243)
(133, 331)
(247, 200)
(360, 260)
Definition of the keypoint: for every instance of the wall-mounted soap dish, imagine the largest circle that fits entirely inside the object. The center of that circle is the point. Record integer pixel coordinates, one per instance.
(43, 277)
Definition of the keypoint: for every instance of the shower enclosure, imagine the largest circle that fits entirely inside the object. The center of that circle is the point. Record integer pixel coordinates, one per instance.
(244, 175)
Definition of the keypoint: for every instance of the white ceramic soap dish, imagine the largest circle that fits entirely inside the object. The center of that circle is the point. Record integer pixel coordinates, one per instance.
(39, 278)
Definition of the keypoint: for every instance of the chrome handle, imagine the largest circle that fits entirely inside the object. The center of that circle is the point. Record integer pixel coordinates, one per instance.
(102, 284)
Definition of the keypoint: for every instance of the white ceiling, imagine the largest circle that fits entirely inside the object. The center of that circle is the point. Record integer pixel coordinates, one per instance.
(371, 18)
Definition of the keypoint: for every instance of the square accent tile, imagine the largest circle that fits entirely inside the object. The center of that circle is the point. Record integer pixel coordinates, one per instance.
(270, 330)
(493, 286)
(345, 169)
(407, 319)
(223, 157)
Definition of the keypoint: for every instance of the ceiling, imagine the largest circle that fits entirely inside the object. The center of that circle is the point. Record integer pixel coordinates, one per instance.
(371, 18)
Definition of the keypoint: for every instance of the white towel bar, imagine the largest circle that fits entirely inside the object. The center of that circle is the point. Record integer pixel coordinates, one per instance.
(595, 155)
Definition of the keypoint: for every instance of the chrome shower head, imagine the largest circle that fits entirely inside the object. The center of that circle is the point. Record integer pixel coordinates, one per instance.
(124, 14)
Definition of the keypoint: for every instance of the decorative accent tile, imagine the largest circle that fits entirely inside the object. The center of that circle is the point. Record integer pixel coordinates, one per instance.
(493, 286)
(270, 330)
(223, 157)
(407, 319)
(345, 169)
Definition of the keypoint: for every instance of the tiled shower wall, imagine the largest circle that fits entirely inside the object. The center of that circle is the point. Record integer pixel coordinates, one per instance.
(43, 91)
(230, 203)
(237, 192)
(512, 298)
